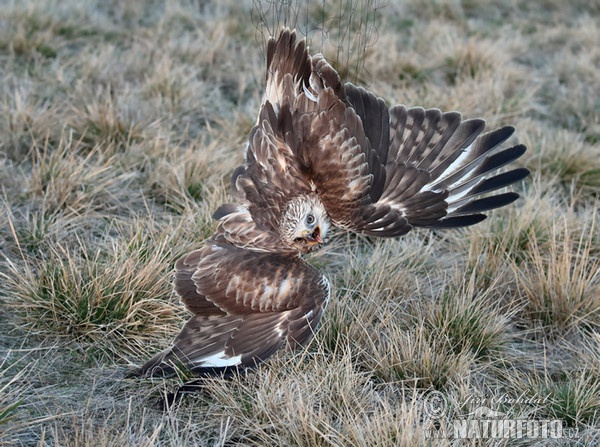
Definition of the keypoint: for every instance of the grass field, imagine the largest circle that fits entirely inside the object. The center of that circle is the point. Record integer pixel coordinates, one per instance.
(120, 124)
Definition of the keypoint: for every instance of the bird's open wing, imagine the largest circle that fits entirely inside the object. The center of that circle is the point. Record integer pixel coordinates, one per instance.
(382, 172)
(347, 171)
(289, 68)
(271, 173)
(377, 171)
(246, 305)
(442, 171)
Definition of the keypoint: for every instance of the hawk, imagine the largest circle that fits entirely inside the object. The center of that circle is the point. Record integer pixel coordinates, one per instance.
(322, 154)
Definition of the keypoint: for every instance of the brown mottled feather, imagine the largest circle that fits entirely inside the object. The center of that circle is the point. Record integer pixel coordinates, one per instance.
(287, 57)
(377, 171)
(271, 173)
(429, 172)
(237, 227)
(245, 303)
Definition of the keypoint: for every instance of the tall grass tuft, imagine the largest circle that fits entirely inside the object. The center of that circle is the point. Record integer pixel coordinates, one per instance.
(561, 287)
(113, 299)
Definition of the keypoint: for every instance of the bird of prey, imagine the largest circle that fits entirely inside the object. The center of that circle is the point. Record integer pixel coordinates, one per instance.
(322, 154)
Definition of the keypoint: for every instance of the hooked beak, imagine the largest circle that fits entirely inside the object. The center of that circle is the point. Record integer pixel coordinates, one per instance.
(314, 237)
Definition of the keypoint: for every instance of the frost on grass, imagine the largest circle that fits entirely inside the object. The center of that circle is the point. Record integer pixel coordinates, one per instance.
(120, 125)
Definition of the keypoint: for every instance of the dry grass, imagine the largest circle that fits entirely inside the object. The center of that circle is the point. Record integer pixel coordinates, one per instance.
(120, 123)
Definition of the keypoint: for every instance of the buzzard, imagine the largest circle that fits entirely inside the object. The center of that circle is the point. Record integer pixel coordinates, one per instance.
(322, 154)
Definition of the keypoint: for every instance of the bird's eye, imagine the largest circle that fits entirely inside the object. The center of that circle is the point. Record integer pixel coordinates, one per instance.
(310, 219)
(299, 239)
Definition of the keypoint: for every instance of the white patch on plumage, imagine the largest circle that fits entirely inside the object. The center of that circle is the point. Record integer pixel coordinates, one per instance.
(278, 329)
(218, 360)
(454, 166)
(284, 287)
(354, 185)
(283, 166)
(267, 295)
(325, 282)
(273, 92)
(456, 197)
(309, 94)
(393, 205)
(234, 285)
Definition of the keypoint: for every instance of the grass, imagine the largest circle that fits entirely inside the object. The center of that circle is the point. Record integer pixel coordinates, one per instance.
(120, 124)
(561, 289)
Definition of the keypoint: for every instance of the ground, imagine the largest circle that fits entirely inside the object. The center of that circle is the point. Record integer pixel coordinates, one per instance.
(120, 124)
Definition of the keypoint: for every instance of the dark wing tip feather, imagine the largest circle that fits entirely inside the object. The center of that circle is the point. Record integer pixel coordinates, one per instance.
(496, 137)
(500, 181)
(500, 159)
(461, 161)
(487, 203)
(459, 221)
(224, 210)
(157, 367)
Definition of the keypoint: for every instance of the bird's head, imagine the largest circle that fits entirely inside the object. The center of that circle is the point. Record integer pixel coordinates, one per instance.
(304, 224)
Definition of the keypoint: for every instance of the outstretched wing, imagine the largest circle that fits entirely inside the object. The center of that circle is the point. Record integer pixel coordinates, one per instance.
(379, 171)
(271, 173)
(288, 68)
(442, 171)
(382, 172)
(343, 163)
(246, 305)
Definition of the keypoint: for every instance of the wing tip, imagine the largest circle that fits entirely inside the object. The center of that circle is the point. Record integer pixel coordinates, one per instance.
(224, 210)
